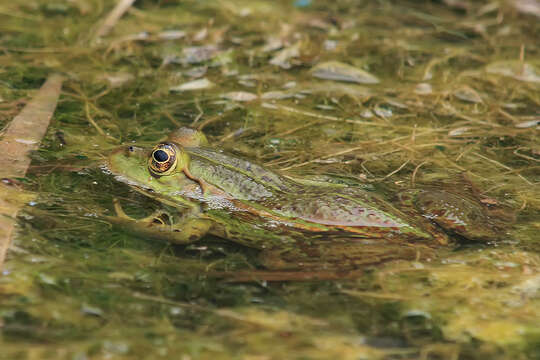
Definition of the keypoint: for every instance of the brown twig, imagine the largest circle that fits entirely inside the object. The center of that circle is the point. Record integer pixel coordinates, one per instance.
(22, 136)
(113, 17)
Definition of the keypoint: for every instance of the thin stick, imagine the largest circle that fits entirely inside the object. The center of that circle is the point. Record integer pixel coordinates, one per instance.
(21, 137)
(301, 127)
(319, 116)
(376, 295)
(493, 161)
(171, 118)
(92, 121)
(113, 17)
(517, 153)
(352, 149)
(413, 176)
(200, 114)
(397, 170)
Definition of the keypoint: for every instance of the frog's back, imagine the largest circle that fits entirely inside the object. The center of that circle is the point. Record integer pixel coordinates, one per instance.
(317, 208)
(328, 207)
(240, 178)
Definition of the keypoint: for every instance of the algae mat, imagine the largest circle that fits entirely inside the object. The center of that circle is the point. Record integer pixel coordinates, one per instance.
(386, 93)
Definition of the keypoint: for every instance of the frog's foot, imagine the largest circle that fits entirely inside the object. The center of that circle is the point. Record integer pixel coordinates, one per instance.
(160, 225)
(329, 261)
(342, 256)
(456, 214)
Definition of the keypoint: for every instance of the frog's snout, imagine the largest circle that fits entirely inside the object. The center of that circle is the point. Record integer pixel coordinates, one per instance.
(131, 150)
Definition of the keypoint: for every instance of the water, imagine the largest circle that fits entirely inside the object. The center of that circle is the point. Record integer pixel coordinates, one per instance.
(458, 92)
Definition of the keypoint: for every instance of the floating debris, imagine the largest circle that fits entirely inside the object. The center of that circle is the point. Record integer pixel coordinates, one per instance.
(241, 96)
(247, 82)
(467, 94)
(171, 35)
(289, 85)
(513, 106)
(528, 124)
(423, 89)
(272, 44)
(367, 114)
(118, 79)
(200, 35)
(396, 103)
(91, 310)
(330, 45)
(357, 92)
(197, 71)
(199, 84)
(283, 57)
(222, 58)
(325, 107)
(199, 54)
(277, 95)
(459, 131)
(334, 70)
(515, 69)
(530, 7)
(383, 112)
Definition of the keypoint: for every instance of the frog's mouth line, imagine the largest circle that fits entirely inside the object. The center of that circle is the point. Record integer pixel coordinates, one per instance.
(130, 182)
(106, 168)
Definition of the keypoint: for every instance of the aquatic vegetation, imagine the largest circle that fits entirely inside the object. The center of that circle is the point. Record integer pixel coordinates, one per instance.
(455, 106)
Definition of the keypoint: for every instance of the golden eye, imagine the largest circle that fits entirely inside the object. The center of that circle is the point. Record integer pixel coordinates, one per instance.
(163, 159)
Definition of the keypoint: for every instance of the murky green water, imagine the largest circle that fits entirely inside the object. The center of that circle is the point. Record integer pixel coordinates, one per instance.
(421, 92)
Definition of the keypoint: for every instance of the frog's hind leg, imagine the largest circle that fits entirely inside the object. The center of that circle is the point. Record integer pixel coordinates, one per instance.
(456, 214)
(327, 261)
(343, 255)
(157, 217)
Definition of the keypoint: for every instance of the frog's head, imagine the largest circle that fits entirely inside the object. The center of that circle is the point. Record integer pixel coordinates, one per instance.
(159, 169)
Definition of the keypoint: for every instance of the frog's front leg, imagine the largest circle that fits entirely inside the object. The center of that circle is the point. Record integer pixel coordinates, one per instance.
(160, 225)
(190, 230)
(200, 181)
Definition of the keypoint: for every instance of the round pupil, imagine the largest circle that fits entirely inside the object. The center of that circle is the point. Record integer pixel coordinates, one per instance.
(160, 156)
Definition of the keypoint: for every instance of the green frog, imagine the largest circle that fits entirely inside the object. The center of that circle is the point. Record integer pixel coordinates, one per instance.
(296, 223)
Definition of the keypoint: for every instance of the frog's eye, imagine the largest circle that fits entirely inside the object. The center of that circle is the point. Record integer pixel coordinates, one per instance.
(163, 159)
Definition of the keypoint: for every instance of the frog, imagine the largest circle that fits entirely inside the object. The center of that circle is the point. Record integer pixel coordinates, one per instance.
(297, 224)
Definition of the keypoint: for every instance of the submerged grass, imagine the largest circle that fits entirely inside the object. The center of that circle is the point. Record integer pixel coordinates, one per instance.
(457, 92)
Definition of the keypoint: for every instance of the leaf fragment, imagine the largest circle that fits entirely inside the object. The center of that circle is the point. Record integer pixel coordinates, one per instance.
(241, 96)
(199, 84)
(335, 70)
(515, 69)
(467, 94)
